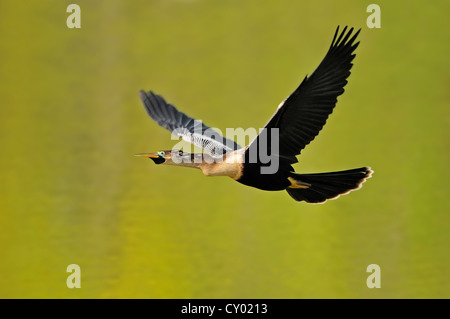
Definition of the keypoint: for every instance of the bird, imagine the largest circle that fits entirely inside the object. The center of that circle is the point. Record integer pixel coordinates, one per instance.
(295, 123)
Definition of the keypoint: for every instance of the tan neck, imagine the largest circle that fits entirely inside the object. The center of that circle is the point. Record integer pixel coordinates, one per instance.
(197, 161)
(233, 170)
(228, 167)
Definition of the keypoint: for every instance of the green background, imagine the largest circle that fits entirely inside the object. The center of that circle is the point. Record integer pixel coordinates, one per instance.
(71, 120)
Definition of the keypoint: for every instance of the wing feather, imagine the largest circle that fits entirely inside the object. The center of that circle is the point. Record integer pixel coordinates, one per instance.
(189, 129)
(303, 114)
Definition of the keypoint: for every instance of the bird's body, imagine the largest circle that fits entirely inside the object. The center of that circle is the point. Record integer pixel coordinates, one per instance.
(295, 124)
(278, 181)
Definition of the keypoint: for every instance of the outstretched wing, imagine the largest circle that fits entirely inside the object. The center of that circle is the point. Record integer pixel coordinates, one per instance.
(189, 129)
(303, 114)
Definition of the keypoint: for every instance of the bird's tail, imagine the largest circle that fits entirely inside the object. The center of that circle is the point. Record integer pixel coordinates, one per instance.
(317, 188)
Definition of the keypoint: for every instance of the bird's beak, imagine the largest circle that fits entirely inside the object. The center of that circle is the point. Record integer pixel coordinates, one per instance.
(155, 157)
(149, 155)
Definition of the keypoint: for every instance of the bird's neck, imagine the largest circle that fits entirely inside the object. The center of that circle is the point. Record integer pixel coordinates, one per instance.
(212, 167)
(233, 170)
(231, 165)
(197, 160)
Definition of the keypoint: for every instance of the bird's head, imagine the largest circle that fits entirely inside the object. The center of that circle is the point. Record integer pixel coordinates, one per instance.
(170, 157)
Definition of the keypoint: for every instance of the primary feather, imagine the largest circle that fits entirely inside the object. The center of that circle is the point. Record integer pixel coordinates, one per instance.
(303, 114)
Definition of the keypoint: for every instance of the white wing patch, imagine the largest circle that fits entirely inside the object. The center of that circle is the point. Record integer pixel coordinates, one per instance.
(281, 104)
(208, 144)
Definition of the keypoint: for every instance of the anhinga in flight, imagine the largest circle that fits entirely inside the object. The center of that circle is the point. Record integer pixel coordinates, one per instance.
(296, 122)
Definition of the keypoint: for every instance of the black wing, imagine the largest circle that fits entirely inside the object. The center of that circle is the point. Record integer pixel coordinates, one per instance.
(303, 114)
(189, 129)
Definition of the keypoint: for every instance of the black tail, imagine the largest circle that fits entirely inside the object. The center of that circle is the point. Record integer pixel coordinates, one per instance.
(325, 186)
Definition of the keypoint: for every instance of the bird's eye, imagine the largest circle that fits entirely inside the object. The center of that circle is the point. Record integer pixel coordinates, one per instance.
(162, 153)
(180, 152)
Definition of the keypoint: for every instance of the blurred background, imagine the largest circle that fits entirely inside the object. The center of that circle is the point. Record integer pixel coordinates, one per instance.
(71, 191)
